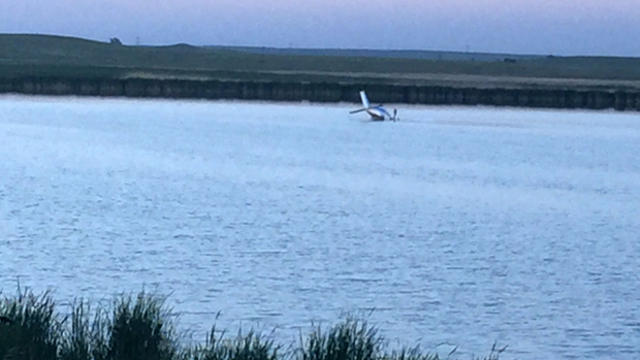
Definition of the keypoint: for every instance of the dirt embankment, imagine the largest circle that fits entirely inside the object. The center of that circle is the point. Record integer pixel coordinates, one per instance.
(576, 97)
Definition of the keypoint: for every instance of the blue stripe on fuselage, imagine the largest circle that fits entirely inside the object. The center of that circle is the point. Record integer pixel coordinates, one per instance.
(379, 112)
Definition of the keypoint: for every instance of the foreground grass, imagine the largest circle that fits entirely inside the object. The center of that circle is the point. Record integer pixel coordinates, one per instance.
(141, 328)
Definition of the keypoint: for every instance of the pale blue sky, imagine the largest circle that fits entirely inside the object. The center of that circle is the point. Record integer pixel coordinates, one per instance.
(562, 27)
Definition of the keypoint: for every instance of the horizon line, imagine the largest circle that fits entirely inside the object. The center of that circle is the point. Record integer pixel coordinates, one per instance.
(291, 48)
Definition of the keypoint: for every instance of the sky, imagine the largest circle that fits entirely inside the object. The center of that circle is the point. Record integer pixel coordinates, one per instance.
(560, 27)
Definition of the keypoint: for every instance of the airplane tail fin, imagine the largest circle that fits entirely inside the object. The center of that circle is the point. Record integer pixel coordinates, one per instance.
(365, 101)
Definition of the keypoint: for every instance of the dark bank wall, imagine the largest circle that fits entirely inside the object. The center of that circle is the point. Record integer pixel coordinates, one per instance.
(327, 92)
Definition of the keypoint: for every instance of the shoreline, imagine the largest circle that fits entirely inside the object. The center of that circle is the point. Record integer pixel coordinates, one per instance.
(549, 96)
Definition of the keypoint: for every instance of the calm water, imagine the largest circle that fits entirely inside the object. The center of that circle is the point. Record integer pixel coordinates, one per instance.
(455, 225)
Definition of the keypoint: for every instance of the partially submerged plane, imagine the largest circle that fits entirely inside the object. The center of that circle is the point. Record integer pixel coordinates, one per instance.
(377, 113)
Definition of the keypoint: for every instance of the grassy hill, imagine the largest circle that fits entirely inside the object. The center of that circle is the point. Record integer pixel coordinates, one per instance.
(393, 54)
(56, 56)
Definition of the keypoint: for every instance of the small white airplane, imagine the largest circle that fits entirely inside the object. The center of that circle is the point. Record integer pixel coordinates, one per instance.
(377, 113)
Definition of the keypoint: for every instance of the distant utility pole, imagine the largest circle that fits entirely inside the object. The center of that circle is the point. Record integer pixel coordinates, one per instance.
(137, 40)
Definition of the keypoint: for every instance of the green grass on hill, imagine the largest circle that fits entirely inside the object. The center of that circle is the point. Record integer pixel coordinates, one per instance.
(56, 56)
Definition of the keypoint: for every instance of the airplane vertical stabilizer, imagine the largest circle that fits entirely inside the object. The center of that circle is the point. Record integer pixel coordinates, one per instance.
(365, 101)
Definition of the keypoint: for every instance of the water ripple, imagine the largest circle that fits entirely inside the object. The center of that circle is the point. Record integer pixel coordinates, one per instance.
(281, 215)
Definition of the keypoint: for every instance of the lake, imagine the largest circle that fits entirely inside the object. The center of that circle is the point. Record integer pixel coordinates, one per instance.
(463, 226)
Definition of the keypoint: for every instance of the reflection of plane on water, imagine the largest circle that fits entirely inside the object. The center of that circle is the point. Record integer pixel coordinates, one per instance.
(377, 113)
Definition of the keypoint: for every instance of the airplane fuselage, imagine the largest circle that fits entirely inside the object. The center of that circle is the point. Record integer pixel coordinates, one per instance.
(379, 113)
